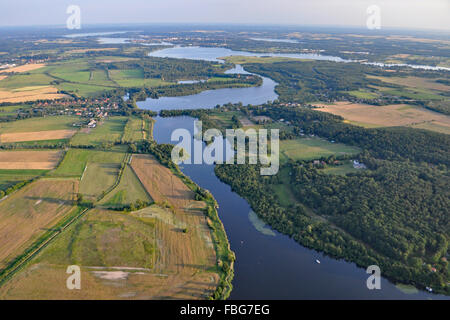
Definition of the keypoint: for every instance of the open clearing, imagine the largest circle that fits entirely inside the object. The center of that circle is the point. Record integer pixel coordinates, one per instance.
(26, 214)
(388, 116)
(44, 160)
(312, 149)
(36, 136)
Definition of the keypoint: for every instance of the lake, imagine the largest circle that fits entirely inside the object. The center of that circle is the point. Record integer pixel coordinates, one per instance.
(210, 98)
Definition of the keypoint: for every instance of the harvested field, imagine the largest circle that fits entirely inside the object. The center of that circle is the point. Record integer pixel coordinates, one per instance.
(24, 68)
(26, 214)
(246, 122)
(160, 182)
(31, 94)
(36, 136)
(43, 160)
(387, 116)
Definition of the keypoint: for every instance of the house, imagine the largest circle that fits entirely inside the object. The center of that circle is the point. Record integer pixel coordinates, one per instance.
(92, 123)
(358, 165)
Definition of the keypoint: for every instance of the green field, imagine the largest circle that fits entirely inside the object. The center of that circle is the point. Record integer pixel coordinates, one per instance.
(39, 124)
(134, 129)
(26, 80)
(9, 178)
(12, 110)
(127, 192)
(312, 148)
(361, 94)
(134, 78)
(75, 161)
(108, 132)
(98, 178)
(347, 167)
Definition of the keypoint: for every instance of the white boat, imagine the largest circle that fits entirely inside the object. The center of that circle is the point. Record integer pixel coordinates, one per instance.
(317, 261)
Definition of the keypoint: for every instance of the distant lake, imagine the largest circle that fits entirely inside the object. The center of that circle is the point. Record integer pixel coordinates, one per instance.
(275, 40)
(214, 53)
(210, 98)
(93, 34)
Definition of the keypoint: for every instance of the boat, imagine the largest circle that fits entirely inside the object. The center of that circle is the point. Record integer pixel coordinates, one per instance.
(317, 261)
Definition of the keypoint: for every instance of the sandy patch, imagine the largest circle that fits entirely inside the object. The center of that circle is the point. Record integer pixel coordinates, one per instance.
(111, 275)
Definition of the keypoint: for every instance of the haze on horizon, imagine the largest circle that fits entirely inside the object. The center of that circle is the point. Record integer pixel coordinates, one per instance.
(411, 14)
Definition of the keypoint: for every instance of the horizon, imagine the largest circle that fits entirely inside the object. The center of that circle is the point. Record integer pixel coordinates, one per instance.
(402, 14)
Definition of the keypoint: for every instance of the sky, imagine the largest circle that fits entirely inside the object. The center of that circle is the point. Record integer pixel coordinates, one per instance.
(411, 14)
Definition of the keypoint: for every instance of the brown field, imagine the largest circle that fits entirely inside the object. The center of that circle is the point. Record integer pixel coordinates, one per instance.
(26, 214)
(262, 118)
(246, 122)
(44, 160)
(31, 94)
(160, 183)
(388, 116)
(36, 136)
(24, 68)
